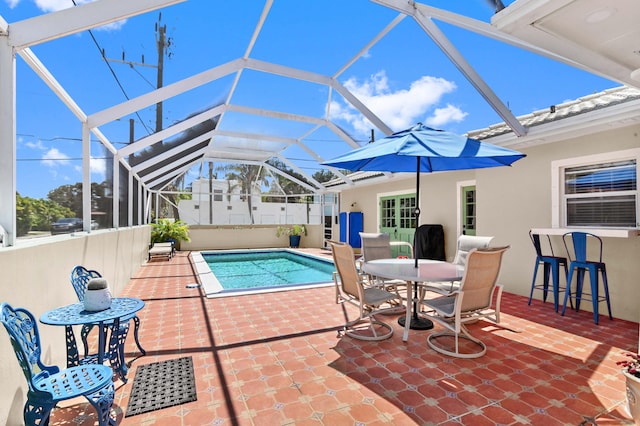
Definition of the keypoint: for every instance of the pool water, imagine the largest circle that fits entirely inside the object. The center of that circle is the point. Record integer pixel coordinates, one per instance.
(267, 269)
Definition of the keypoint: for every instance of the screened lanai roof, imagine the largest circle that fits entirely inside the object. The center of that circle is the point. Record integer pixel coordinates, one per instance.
(231, 97)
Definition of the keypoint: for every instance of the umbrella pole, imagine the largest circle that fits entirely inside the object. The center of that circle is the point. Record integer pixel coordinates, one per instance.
(417, 323)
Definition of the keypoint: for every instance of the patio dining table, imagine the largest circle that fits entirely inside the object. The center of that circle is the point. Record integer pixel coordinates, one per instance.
(405, 270)
(75, 314)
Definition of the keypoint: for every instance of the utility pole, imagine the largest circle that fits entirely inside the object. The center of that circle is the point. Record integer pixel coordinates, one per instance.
(161, 43)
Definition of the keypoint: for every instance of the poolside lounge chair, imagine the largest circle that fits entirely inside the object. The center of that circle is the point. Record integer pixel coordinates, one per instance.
(162, 250)
(473, 301)
(350, 289)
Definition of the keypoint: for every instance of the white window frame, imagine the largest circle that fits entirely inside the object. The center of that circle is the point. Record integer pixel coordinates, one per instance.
(558, 206)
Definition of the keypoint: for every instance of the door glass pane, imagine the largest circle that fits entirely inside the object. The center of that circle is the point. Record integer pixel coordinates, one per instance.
(388, 213)
(469, 210)
(406, 212)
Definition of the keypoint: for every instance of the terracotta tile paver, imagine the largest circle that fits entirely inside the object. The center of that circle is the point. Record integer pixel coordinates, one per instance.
(276, 359)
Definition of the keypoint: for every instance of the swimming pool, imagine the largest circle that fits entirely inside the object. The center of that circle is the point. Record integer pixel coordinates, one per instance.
(250, 271)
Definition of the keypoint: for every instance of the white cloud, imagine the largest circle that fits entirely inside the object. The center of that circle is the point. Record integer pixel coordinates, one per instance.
(98, 166)
(35, 145)
(12, 3)
(114, 26)
(401, 108)
(54, 158)
(442, 116)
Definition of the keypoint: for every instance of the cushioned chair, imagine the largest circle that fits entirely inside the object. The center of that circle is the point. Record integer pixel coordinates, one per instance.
(464, 245)
(350, 289)
(584, 244)
(473, 301)
(80, 277)
(551, 268)
(47, 385)
(379, 246)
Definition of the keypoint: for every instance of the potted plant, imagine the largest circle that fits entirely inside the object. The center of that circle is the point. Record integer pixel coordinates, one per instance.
(631, 371)
(167, 230)
(294, 232)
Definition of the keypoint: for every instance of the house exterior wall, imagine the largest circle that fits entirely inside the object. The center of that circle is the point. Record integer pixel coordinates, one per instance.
(511, 201)
(36, 276)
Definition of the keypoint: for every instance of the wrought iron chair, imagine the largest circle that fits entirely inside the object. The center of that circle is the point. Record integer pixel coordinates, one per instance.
(350, 289)
(583, 244)
(80, 277)
(473, 301)
(48, 384)
(551, 267)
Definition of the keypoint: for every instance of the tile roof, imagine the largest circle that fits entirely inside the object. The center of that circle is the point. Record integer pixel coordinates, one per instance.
(564, 110)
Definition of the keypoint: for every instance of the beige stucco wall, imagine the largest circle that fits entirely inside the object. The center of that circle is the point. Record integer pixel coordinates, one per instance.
(512, 200)
(35, 275)
(204, 237)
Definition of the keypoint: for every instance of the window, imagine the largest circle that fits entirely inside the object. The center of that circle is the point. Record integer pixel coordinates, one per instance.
(217, 195)
(598, 191)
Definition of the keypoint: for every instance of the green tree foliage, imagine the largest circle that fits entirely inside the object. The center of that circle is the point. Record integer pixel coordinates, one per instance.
(70, 196)
(37, 214)
(247, 176)
(323, 175)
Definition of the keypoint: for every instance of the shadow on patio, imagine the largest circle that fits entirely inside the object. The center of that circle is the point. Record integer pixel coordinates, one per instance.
(276, 359)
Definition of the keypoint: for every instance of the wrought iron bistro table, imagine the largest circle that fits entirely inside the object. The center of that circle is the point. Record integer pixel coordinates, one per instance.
(75, 314)
(405, 269)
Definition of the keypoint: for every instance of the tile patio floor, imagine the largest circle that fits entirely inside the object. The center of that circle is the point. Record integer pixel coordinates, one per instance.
(275, 359)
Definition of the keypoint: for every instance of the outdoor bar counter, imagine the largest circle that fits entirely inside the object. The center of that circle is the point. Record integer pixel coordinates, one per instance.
(600, 232)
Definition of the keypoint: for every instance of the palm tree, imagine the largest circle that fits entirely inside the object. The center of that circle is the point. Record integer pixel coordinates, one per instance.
(247, 177)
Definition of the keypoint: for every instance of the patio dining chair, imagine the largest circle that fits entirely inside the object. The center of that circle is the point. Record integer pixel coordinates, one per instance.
(351, 290)
(48, 385)
(379, 246)
(80, 277)
(464, 245)
(473, 301)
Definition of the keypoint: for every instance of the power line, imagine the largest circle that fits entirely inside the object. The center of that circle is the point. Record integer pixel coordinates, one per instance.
(113, 73)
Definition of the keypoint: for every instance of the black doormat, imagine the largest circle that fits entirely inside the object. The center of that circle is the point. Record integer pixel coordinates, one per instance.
(162, 384)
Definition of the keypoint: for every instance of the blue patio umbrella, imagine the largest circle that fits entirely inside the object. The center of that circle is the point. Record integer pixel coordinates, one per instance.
(423, 149)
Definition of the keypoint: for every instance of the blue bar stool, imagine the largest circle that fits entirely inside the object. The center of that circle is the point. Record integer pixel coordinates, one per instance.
(584, 242)
(551, 267)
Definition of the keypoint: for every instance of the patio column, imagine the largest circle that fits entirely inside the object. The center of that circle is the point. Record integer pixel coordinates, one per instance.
(7, 138)
(86, 177)
(115, 192)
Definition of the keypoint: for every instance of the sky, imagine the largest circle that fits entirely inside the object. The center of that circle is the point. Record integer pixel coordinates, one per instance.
(404, 78)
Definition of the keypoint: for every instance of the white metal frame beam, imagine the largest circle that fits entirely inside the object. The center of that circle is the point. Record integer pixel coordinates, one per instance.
(51, 26)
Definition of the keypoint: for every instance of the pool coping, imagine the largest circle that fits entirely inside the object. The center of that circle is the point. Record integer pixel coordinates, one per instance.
(213, 289)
